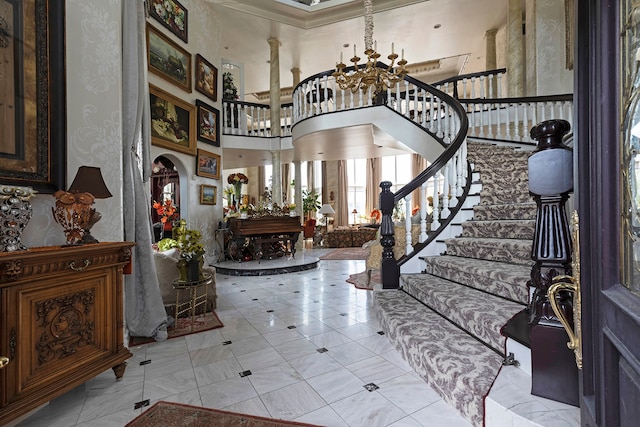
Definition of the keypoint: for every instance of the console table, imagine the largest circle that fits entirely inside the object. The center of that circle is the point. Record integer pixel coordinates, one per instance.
(62, 321)
(268, 229)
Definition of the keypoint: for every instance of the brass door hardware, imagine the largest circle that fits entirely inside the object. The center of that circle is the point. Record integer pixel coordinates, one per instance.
(572, 284)
(4, 361)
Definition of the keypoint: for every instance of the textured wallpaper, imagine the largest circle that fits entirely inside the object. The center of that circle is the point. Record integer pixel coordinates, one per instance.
(94, 108)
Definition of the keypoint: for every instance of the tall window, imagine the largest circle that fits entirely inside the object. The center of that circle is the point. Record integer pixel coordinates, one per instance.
(398, 170)
(357, 187)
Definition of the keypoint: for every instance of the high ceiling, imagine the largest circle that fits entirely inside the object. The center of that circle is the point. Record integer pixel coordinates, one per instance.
(311, 35)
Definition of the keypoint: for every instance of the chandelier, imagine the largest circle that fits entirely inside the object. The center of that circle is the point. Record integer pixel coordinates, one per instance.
(370, 74)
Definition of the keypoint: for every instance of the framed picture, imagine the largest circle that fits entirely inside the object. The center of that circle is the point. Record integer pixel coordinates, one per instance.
(208, 164)
(168, 60)
(33, 108)
(208, 124)
(173, 122)
(206, 78)
(208, 194)
(172, 15)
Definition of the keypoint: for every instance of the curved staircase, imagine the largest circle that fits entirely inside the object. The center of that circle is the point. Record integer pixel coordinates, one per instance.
(447, 320)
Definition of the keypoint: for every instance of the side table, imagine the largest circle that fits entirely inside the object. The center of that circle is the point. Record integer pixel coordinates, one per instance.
(195, 299)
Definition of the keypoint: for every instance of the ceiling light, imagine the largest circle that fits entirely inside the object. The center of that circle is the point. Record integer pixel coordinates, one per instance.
(370, 75)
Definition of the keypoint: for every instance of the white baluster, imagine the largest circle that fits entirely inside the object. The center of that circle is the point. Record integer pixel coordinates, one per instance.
(525, 121)
(490, 86)
(508, 122)
(436, 211)
(460, 173)
(499, 85)
(445, 192)
(516, 123)
(481, 134)
(482, 91)
(464, 89)
(423, 212)
(407, 223)
(473, 87)
(431, 114)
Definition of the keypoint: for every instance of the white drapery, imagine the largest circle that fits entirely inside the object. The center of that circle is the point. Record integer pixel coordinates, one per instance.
(144, 311)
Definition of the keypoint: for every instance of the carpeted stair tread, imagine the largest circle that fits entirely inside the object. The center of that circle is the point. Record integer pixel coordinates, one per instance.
(502, 229)
(514, 251)
(481, 314)
(494, 186)
(498, 278)
(505, 211)
(458, 367)
(505, 196)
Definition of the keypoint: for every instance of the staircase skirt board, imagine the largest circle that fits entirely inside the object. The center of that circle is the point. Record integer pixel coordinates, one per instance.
(455, 365)
(481, 314)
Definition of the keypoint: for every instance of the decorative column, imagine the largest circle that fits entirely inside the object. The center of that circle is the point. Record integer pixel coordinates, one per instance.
(296, 76)
(491, 60)
(554, 374)
(515, 50)
(297, 198)
(389, 269)
(274, 116)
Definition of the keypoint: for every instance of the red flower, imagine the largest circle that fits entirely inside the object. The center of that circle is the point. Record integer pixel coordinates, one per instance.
(376, 215)
(415, 210)
(166, 210)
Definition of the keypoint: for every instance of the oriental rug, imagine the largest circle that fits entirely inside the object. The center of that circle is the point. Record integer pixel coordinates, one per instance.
(347, 253)
(168, 414)
(361, 280)
(182, 327)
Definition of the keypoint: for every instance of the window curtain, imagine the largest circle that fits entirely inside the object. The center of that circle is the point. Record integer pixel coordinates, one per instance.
(372, 190)
(342, 201)
(261, 184)
(145, 315)
(418, 164)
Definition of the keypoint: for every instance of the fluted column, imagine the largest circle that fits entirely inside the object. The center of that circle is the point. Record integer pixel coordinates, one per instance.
(274, 109)
(295, 72)
(276, 178)
(515, 50)
(491, 58)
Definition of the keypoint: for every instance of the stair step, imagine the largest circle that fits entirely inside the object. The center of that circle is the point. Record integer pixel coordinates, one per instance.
(457, 366)
(501, 229)
(481, 314)
(514, 251)
(505, 211)
(497, 278)
(497, 186)
(509, 195)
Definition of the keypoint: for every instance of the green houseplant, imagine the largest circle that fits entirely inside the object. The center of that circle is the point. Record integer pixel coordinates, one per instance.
(310, 202)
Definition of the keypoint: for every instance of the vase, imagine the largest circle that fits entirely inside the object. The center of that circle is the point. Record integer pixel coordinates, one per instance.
(238, 190)
(15, 213)
(190, 270)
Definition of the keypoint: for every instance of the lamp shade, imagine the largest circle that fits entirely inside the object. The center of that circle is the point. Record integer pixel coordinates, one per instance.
(89, 180)
(326, 209)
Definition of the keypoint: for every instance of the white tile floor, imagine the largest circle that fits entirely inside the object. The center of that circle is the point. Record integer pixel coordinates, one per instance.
(278, 327)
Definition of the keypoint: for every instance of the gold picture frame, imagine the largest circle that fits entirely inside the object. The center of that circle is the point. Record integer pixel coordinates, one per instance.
(208, 164)
(173, 122)
(208, 194)
(168, 60)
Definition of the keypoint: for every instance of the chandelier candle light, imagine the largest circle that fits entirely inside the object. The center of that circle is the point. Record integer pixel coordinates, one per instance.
(370, 75)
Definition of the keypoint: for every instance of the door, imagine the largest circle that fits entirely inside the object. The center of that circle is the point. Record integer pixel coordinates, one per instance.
(608, 37)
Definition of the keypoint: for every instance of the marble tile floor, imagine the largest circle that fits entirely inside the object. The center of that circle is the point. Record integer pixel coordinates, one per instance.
(302, 346)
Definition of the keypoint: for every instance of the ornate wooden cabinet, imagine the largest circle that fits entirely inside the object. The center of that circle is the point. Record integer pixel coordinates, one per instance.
(62, 321)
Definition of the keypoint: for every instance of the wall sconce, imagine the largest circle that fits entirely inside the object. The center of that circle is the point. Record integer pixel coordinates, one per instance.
(74, 208)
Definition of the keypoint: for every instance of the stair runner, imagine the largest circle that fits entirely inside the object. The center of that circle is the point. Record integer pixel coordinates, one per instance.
(446, 321)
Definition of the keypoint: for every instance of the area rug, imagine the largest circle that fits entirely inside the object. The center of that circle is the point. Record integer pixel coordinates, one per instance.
(347, 253)
(360, 280)
(183, 327)
(168, 414)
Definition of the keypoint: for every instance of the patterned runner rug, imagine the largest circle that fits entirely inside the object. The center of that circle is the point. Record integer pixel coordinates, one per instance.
(168, 414)
(182, 327)
(347, 253)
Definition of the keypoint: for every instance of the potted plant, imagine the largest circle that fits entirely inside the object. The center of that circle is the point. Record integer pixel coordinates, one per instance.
(189, 243)
(310, 202)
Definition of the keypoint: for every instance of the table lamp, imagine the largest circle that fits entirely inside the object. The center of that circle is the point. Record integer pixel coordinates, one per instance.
(326, 210)
(74, 208)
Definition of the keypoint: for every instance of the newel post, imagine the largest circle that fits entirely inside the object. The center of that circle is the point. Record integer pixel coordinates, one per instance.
(390, 272)
(554, 374)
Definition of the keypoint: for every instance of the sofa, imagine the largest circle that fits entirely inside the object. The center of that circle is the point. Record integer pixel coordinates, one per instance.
(349, 237)
(399, 248)
(167, 271)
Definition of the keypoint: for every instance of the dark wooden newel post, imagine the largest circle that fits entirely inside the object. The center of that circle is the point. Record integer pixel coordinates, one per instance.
(389, 270)
(554, 374)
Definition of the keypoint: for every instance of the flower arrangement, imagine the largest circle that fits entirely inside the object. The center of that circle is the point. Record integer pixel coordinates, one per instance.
(415, 210)
(375, 215)
(292, 206)
(166, 211)
(186, 240)
(237, 178)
